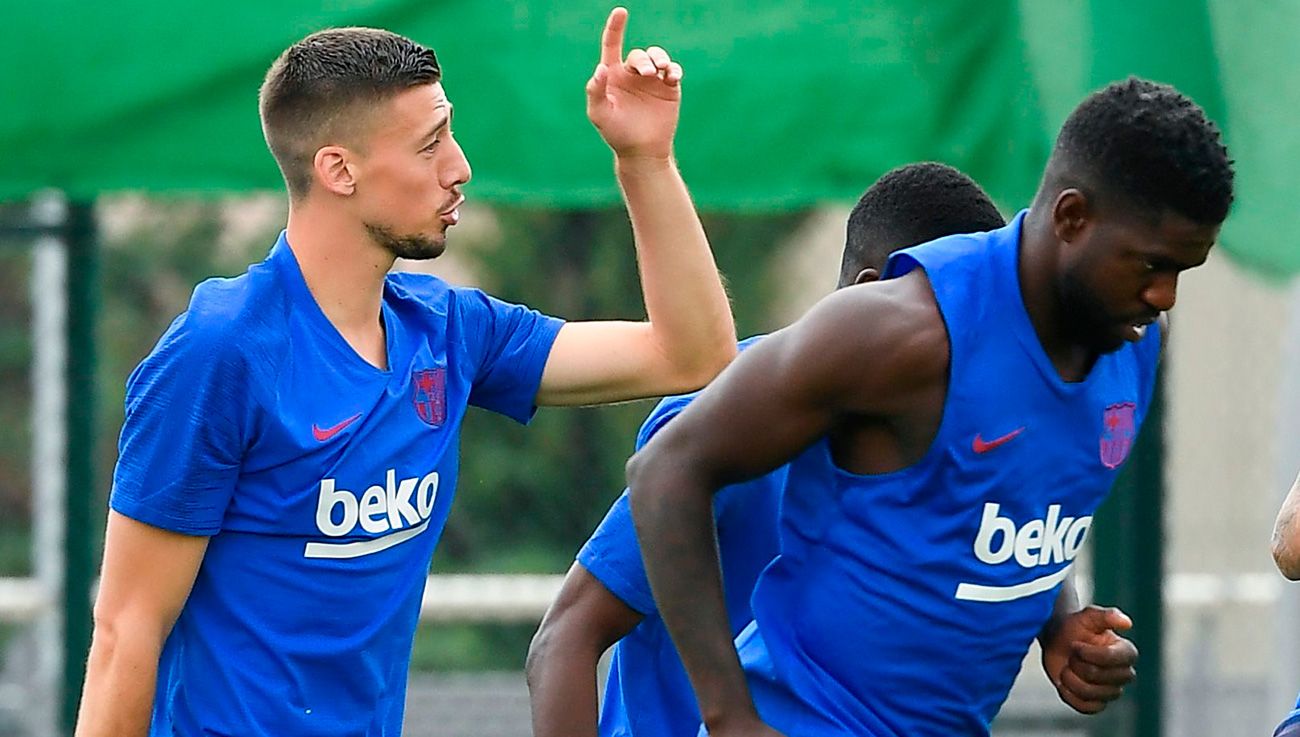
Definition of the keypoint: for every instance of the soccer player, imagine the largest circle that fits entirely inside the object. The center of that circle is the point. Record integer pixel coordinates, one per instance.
(1286, 553)
(289, 452)
(950, 430)
(605, 597)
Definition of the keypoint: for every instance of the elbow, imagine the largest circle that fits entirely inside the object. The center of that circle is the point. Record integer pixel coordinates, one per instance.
(636, 470)
(107, 632)
(539, 650)
(125, 632)
(561, 640)
(694, 371)
(715, 361)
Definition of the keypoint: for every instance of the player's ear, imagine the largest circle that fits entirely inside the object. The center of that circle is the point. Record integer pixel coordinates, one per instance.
(867, 275)
(1071, 213)
(333, 170)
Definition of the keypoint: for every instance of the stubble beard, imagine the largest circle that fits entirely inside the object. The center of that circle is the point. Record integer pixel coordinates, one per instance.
(417, 247)
(1089, 323)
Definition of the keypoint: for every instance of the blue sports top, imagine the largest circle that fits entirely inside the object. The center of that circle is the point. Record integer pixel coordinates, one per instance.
(647, 693)
(903, 604)
(323, 482)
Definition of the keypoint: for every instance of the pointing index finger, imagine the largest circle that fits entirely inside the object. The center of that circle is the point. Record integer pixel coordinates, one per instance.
(611, 40)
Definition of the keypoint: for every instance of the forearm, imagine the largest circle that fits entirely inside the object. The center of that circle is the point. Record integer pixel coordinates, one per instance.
(684, 573)
(1067, 603)
(561, 676)
(121, 678)
(684, 297)
(1286, 535)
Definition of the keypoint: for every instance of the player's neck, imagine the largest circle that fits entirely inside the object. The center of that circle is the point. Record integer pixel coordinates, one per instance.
(344, 270)
(1039, 252)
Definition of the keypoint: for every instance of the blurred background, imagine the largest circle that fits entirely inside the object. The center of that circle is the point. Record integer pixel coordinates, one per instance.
(134, 168)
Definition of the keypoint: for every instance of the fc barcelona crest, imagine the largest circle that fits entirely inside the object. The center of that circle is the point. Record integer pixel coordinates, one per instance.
(1118, 430)
(429, 388)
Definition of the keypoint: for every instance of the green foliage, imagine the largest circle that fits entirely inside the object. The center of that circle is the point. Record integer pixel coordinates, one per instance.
(470, 647)
(15, 549)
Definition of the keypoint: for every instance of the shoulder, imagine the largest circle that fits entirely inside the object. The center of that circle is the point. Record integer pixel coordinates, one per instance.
(229, 325)
(227, 314)
(870, 336)
(966, 252)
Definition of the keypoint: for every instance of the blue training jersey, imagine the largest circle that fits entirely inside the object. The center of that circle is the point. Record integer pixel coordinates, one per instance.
(903, 604)
(322, 481)
(647, 693)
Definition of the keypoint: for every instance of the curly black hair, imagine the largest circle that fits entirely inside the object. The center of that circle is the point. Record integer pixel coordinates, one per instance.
(910, 205)
(1148, 147)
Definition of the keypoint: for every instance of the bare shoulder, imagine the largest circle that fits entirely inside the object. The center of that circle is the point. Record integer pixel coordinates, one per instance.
(872, 341)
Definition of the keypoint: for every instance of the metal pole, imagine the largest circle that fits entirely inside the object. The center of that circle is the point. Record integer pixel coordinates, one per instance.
(49, 439)
(84, 519)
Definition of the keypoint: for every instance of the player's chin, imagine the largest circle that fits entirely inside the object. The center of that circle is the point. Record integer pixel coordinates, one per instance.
(422, 248)
(433, 247)
(1112, 340)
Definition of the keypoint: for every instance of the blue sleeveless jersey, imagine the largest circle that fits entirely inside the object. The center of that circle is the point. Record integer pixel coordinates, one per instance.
(647, 693)
(323, 483)
(903, 604)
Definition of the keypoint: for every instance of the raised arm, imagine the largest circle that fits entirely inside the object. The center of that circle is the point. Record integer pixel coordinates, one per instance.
(146, 577)
(689, 336)
(865, 351)
(584, 621)
(1286, 534)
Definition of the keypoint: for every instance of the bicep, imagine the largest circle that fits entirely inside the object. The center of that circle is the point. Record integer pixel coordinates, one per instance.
(147, 573)
(597, 361)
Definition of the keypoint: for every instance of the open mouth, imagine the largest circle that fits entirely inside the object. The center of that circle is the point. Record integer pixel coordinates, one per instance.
(451, 215)
(1135, 331)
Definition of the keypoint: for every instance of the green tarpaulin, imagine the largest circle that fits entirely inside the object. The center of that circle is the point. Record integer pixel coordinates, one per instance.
(787, 104)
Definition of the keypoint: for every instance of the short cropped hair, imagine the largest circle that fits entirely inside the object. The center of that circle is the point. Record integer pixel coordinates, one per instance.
(325, 85)
(911, 205)
(1148, 147)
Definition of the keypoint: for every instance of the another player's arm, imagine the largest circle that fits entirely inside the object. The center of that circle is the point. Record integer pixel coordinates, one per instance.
(689, 336)
(146, 577)
(584, 621)
(863, 351)
(1286, 534)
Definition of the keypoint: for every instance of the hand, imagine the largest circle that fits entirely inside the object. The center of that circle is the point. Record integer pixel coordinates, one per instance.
(1087, 661)
(634, 102)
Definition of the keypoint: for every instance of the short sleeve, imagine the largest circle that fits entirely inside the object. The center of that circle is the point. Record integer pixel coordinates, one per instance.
(510, 344)
(612, 554)
(179, 455)
(613, 557)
